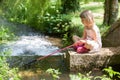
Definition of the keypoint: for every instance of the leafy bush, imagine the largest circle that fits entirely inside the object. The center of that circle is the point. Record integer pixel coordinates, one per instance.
(80, 76)
(23, 11)
(5, 34)
(55, 74)
(7, 73)
(41, 15)
(112, 73)
(56, 24)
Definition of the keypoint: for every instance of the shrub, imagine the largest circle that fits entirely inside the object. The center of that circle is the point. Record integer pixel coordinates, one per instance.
(5, 34)
(7, 73)
(54, 73)
(56, 24)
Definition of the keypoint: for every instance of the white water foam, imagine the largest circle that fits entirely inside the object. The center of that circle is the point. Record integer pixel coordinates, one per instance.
(29, 43)
(32, 45)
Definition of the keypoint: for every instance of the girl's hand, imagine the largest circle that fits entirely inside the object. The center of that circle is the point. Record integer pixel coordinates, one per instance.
(83, 41)
(78, 43)
(75, 38)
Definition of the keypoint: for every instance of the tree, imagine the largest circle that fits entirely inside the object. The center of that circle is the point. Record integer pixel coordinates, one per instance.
(70, 5)
(111, 11)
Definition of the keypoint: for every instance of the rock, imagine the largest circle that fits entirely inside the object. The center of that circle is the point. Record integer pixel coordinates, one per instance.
(88, 61)
(112, 36)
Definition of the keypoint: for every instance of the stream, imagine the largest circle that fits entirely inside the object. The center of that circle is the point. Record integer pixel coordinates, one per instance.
(31, 45)
(29, 42)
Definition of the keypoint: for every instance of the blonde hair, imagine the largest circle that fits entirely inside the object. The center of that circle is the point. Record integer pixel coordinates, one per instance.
(87, 14)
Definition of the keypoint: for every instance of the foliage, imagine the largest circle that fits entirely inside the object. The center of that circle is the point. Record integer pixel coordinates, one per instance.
(5, 34)
(7, 73)
(70, 6)
(104, 30)
(88, 1)
(23, 11)
(80, 77)
(45, 16)
(111, 72)
(66, 39)
(73, 30)
(56, 24)
(54, 73)
(41, 15)
(112, 75)
(26, 11)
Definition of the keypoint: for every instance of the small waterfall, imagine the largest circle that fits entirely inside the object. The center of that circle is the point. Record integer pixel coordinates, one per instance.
(31, 45)
(29, 42)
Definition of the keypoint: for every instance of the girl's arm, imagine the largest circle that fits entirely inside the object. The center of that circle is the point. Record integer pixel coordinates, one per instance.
(94, 36)
(84, 34)
(83, 37)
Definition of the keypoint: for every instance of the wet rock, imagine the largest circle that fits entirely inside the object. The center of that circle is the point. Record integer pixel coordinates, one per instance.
(88, 61)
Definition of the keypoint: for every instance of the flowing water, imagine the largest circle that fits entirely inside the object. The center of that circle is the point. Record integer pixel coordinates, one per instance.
(29, 42)
(31, 45)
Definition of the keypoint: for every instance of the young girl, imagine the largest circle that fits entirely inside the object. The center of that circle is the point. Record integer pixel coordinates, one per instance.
(91, 39)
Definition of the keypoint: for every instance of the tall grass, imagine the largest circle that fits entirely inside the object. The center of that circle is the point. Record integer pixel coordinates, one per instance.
(23, 11)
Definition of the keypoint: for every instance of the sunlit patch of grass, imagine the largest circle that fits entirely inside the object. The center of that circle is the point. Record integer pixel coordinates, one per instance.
(76, 21)
(97, 9)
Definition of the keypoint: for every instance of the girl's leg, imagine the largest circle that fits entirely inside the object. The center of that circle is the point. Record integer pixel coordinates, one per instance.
(75, 38)
(92, 45)
(78, 44)
(84, 48)
(88, 46)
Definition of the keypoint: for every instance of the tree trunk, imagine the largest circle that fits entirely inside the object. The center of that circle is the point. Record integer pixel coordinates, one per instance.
(111, 11)
(70, 5)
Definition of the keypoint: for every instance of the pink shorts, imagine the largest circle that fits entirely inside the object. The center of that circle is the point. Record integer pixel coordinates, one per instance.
(81, 49)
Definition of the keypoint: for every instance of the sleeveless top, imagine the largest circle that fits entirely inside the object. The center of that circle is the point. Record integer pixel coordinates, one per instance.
(90, 32)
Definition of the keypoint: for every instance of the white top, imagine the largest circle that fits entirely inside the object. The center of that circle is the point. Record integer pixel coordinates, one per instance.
(89, 37)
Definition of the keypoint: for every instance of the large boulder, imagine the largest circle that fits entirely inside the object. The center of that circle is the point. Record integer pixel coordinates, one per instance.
(112, 36)
(88, 61)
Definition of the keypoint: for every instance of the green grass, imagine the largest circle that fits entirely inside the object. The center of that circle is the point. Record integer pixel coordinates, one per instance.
(95, 7)
(98, 11)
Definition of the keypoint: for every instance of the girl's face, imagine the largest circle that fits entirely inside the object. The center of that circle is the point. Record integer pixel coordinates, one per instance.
(87, 23)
